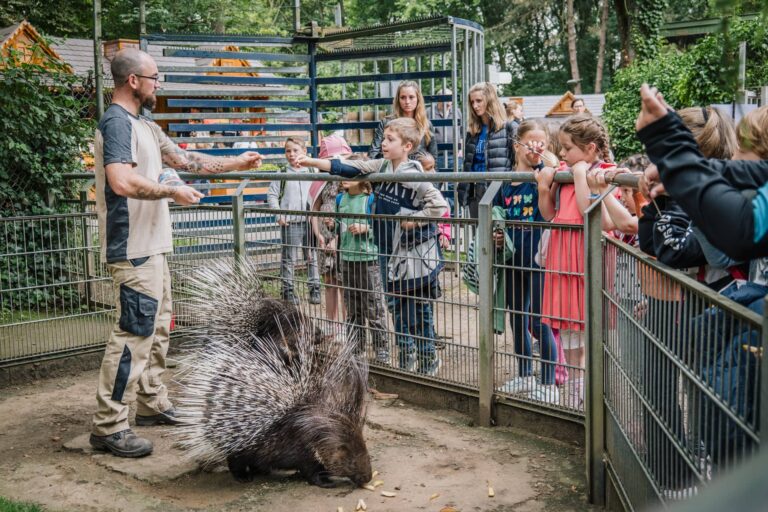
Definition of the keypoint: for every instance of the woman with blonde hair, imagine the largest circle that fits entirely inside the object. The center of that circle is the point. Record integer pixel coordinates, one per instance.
(489, 146)
(409, 102)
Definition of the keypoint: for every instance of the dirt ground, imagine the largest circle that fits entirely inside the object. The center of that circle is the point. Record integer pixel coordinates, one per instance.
(431, 460)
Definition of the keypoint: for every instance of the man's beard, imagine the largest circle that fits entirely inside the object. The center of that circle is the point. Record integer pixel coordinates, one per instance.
(148, 102)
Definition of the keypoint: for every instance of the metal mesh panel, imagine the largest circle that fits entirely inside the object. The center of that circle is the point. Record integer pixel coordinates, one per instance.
(681, 379)
(539, 313)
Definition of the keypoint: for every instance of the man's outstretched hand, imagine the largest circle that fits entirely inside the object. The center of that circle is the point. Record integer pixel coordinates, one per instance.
(653, 107)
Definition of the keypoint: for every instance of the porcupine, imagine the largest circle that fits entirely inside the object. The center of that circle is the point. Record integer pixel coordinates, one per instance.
(257, 392)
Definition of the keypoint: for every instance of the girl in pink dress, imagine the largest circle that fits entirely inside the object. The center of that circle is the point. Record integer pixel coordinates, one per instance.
(585, 148)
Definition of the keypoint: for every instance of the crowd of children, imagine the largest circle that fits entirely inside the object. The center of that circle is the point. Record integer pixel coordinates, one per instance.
(378, 270)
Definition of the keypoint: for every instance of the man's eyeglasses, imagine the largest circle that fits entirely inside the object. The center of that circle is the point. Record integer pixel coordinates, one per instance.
(156, 78)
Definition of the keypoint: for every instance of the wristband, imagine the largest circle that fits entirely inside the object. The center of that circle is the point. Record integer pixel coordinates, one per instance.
(594, 196)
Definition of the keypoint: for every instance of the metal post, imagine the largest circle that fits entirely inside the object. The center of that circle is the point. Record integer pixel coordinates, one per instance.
(594, 410)
(484, 252)
(455, 91)
(763, 377)
(97, 62)
(238, 221)
(297, 15)
(87, 267)
(142, 17)
(313, 94)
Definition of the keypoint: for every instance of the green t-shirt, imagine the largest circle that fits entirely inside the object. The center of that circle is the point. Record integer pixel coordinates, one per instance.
(356, 247)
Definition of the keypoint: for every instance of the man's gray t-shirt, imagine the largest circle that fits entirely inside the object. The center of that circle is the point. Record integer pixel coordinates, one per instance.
(130, 228)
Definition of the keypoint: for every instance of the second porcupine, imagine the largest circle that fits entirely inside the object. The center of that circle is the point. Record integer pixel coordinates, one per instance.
(272, 401)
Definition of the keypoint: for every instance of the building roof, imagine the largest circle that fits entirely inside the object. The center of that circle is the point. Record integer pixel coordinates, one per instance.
(539, 106)
(21, 37)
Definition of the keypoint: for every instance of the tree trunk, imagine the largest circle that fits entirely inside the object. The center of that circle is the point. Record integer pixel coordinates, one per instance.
(601, 48)
(572, 55)
(220, 25)
(622, 20)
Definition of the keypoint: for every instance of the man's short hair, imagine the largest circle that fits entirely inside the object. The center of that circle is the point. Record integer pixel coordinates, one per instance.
(125, 63)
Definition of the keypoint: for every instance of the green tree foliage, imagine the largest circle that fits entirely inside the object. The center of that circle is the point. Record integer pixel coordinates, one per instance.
(694, 78)
(42, 133)
(622, 102)
(712, 76)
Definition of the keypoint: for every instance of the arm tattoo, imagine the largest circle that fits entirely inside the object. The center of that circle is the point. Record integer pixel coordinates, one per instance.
(193, 162)
(150, 191)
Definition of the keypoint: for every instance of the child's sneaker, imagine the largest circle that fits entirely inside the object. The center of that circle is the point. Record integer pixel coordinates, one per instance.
(408, 361)
(548, 394)
(519, 385)
(431, 366)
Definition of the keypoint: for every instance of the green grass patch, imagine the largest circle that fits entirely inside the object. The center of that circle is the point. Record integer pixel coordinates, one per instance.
(7, 505)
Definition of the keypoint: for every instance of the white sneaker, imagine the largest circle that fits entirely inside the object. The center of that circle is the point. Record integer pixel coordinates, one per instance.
(680, 494)
(519, 385)
(548, 394)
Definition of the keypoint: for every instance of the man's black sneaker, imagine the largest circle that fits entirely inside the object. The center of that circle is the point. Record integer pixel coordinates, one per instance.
(123, 444)
(314, 297)
(164, 418)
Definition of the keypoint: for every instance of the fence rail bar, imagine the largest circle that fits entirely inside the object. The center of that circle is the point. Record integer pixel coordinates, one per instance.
(210, 54)
(236, 80)
(447, 177)
(361, 102)
(383, 77)
(232, 69)
(251, 40)
(195, 103)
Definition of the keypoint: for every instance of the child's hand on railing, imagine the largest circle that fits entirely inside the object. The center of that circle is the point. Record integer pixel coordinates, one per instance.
(358, 228)
(407, 225)
(544, 178)
(498, 238)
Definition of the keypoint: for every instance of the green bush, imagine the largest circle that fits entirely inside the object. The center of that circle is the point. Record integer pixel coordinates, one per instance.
(42, 133)
(703, 75)
(622, 102)
(712, 74)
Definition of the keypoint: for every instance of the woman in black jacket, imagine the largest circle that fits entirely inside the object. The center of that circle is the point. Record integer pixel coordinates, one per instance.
(409, 102)
(489, 144)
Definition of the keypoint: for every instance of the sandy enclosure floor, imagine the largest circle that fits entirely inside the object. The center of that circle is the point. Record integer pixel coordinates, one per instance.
(431, 460)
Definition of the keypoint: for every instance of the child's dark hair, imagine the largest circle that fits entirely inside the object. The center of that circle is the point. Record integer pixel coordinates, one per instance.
(585, 129)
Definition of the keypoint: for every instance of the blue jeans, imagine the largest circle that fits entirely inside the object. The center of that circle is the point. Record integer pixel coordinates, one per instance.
(413, 319)
(523, 296)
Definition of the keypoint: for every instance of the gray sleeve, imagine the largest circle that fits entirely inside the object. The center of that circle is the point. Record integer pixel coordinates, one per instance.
(273, 194)
(118, 146)
(433, 202)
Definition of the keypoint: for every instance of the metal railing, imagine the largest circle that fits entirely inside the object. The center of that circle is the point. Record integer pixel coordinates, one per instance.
(672, 389)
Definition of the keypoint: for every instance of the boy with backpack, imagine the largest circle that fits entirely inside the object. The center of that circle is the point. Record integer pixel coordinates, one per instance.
(409, 248)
